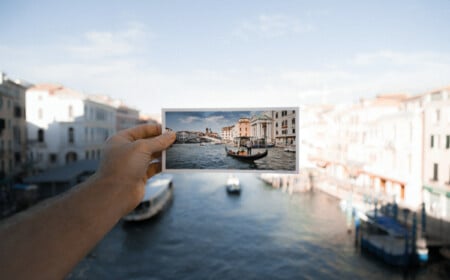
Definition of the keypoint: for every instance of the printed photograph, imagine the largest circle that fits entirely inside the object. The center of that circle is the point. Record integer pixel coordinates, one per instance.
(231, 139)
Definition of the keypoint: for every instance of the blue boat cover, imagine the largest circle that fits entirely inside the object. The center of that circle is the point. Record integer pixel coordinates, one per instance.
(389, 224)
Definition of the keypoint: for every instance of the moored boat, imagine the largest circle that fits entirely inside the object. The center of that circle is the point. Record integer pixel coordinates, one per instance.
(158, 192)
(392, 242)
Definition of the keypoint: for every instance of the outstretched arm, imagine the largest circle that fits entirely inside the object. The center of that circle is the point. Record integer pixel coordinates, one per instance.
(47, 241)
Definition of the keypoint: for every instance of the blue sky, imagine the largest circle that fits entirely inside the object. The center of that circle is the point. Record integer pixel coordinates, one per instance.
(200, 120)
(198, 54)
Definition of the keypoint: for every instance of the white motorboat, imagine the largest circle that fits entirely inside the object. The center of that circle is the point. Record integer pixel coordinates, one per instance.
(233, 186)
(158, 192)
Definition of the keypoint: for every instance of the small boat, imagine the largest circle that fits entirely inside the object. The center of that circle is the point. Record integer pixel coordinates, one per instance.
(233, 186)
(158, 192)
(290, 149)
(242, 155)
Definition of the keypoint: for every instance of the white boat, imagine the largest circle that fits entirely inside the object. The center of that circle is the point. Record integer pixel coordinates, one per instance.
(158, 192)
(233, 186)
(290, 149)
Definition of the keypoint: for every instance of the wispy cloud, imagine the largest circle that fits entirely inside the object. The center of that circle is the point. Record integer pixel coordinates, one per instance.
(214, 119)
(189, 119)
(270, 26)
(99, 44)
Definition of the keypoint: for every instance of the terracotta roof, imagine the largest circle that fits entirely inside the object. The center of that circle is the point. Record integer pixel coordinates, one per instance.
(47, 87)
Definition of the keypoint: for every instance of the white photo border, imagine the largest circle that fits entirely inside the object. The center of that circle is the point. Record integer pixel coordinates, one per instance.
(185, 170)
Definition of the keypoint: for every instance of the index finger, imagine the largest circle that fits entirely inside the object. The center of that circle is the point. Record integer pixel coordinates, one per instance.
(141, 132)
(159, 143)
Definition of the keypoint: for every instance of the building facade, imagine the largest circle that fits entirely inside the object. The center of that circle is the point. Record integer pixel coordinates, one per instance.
(13, 134)
(262, 131)
(65, 125)
(436, 152)
(285, 126)
(243, 127)
(227, 133)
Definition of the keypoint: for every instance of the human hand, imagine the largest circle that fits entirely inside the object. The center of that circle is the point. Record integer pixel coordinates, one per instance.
(126, 164)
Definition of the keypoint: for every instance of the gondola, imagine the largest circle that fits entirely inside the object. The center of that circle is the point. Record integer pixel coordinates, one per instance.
(243, 156)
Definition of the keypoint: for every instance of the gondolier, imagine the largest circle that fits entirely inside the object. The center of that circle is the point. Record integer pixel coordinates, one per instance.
(249, 147)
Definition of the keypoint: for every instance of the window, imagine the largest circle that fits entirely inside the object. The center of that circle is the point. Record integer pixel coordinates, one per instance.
(435, 171)
(40, 114)
(2, 125)
(437, 115)
(293, 121)
(53, 158)
(40, 135)
(70, 111)
(432, 141)
(17, 111)
(17, 135)
(17, 158)
(71, 135)
(448, 176)
(447, 142)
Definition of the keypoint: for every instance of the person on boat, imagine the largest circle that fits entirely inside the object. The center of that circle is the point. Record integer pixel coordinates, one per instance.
(249, 147)
(48, 240)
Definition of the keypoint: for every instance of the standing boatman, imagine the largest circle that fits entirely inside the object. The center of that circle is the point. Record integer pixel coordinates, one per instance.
(249, 147)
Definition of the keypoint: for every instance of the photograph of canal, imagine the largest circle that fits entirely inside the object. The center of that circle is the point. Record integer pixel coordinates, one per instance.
(233, 139)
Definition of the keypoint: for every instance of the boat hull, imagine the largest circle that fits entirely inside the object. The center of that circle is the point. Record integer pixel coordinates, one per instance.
(158, 194)
(245, 157)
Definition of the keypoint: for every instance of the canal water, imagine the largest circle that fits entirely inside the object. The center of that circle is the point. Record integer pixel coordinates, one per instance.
(210, 156)
(204, 233)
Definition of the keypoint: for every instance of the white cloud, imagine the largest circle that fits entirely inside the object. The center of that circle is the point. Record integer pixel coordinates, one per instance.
(122, 73)
(189, 119)
(100, 44)
(214, 119)
(270, 26)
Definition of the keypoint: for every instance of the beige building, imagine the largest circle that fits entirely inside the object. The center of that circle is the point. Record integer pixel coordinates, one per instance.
(285, 126)
(243, 127)
(13, 127)
(227, 133)
(436, 152)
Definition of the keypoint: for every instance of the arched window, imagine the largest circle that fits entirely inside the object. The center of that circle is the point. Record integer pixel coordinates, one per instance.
(40, 135)
(71, 157)
(71, 135)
